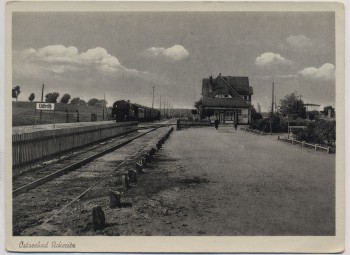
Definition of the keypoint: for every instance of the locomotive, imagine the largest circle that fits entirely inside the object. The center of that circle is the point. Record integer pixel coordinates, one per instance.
(125, 111)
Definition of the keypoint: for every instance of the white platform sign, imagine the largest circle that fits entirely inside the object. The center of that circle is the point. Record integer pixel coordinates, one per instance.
(45, 106)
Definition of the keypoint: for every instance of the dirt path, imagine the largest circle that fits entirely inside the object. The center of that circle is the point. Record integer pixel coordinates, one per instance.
(225, 182)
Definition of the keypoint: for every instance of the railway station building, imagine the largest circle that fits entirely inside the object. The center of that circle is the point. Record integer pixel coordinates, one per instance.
(227, 98)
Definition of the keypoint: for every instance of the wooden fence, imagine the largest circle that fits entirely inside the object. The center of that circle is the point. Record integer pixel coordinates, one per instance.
(255, 131)
(28, 148)
(305, 144)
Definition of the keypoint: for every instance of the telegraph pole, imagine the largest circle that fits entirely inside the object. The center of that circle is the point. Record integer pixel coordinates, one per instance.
(103, 106)
(160, 104)
(273, 95)
(42, 100)
(164, 108)
(153, 96)
(273, 92)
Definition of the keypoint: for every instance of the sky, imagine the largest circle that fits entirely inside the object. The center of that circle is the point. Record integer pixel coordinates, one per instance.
(122, 55)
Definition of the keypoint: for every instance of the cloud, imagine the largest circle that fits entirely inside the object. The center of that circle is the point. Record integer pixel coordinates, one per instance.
(299, 42)
(60, 58)
(174, 53)
(271, 59)
(67, 68)
(324, 72)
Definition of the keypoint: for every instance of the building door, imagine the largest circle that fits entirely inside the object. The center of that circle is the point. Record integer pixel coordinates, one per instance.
(234, 116)
(222, 117)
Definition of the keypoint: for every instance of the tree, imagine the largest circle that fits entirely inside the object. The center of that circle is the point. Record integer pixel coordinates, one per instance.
(198, 104)
(97, 102)
(31, 97)
(93, 102)
(292, 105)
(65, 98)
(15, 92)
(51, 97)
(326, 108)
(77, 101)
(102, 103)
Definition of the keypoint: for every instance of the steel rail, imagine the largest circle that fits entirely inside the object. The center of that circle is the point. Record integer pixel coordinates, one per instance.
(72, 167)
(96, 183)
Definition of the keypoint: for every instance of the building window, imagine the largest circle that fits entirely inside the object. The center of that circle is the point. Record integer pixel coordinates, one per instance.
(239, 112)
(228, 115)
(223, 96)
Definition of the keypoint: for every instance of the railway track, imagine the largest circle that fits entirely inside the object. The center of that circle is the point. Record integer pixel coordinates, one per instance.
(32, 179)
(36, 204)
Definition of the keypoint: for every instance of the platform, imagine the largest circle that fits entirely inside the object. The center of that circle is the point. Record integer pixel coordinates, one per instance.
(226, 182)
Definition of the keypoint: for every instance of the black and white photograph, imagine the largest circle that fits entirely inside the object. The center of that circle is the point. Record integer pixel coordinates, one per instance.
(208, 122)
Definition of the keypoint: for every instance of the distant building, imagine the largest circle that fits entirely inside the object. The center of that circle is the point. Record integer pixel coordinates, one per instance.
(226, 98)
(259, 108)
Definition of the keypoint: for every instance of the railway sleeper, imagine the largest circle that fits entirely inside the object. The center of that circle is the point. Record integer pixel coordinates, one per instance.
(138, 167)
(143, 161)
(114, 199)
(125, 183)
(152, 151)
(147, 157)
(132, 174)
(98, 218)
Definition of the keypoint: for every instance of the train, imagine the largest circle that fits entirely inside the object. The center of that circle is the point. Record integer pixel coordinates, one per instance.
(123, 110)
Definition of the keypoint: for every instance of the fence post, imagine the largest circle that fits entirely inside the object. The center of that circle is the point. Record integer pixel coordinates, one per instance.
(292, 140)
(327, 150)
(315, 147)
(302, 144)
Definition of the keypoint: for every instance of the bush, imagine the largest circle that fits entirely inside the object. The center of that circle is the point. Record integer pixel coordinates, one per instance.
(320, 131)
(264, 124)
(312, 115)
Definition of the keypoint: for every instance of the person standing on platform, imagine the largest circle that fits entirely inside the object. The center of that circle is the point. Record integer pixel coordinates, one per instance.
(236, 124)
(216, 123)
(77, 115)
(67, 116)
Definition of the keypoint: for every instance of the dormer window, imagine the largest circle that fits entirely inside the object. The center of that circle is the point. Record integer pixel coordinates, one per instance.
(223, 96)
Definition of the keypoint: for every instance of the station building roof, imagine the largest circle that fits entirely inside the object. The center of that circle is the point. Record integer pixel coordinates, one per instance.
(236, 87)
(226, 85)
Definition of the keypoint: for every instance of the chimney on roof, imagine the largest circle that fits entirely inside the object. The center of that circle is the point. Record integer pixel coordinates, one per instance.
(210, 85)
(219, 74)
